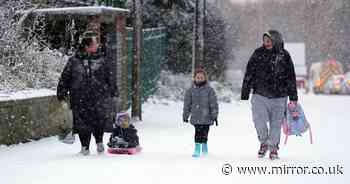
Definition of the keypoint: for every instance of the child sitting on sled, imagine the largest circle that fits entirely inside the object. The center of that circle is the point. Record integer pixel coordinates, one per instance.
(124, 135)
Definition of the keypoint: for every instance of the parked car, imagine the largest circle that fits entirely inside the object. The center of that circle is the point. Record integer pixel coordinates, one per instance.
(334, 84)
(338, 84)
(328, 78)
(346, 84)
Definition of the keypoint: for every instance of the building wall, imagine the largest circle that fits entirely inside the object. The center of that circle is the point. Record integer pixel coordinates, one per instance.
(30, 119)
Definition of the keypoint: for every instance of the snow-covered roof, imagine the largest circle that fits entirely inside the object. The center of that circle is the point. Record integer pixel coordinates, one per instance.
(84, 10)
(147, 29)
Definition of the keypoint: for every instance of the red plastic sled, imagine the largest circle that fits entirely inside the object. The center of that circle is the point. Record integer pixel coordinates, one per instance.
(128, 151)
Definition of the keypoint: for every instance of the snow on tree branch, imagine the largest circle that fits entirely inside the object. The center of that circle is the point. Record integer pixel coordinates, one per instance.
(25, 63)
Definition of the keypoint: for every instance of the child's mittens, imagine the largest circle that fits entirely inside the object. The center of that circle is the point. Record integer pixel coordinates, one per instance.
(215, 120)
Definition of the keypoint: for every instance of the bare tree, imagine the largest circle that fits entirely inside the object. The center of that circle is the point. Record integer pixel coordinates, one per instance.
(198, 34)
(25, 62)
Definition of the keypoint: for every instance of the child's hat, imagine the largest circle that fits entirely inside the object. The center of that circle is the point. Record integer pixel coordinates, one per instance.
(123, 118)
(122, 114)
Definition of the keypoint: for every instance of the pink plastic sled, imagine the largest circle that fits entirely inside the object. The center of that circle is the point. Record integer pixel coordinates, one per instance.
(128, 151)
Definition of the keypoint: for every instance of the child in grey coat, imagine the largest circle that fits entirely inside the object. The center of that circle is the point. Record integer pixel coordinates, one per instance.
(201, 105)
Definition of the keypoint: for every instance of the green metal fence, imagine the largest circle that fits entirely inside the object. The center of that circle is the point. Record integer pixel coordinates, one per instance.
(154, 44)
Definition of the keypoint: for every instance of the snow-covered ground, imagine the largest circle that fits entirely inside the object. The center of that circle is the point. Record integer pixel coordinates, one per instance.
(168, 145)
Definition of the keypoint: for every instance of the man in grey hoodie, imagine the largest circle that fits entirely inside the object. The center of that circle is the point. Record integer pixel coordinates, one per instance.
(270, 74)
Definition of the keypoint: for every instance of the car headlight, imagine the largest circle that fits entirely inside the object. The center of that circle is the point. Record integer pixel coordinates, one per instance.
(318, 83)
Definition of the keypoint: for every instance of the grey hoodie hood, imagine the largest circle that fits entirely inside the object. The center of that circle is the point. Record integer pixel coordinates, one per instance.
(277, 40)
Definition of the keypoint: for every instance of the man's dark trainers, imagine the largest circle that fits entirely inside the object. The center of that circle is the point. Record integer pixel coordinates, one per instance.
(274, 155)
(262, 151)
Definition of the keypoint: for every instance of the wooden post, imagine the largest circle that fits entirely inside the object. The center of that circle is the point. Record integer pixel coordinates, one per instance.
(136, 111)
(122, 63)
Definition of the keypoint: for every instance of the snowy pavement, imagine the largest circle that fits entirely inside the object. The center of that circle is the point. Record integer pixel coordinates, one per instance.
(168, 145)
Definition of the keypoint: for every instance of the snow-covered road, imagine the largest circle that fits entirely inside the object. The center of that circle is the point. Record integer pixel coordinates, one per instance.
(168, 145)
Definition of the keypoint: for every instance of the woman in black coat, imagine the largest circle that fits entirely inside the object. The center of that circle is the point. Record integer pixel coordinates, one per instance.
(90, 83)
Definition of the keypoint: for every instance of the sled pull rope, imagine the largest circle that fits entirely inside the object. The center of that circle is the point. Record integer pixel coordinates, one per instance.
(285, 140)
(286, 130)
(310, 134)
